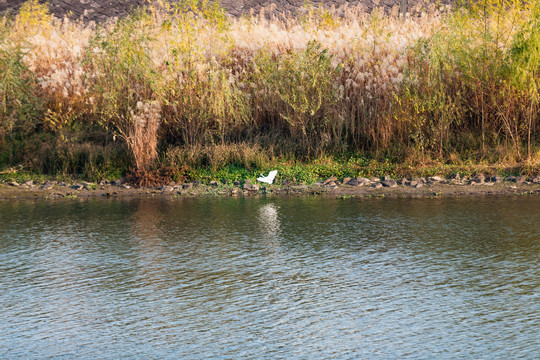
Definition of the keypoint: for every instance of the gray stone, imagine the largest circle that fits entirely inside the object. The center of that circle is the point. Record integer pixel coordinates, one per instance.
(187, 186)
(119, 182)
(536, 180)
(479, 179)
(419, 185)
(346, 180)
(355, 182)
(495, 179)
(404, 181)
(29, 183)
(76, 186)
(46, 186)
(365, 181)
(236, 183)
(167, 189)
(251, 187)
(213, 183)
(377, 185)
(14, 183)
(389, 183)
(329, 180)
(516, 179)
(435, 179)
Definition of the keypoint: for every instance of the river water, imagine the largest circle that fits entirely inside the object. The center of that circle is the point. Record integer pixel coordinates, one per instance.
(287, 278)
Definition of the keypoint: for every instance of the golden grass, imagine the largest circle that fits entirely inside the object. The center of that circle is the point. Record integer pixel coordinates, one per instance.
(187, 75)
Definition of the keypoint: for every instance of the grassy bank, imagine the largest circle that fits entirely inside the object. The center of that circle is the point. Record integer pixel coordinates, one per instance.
(183, 91)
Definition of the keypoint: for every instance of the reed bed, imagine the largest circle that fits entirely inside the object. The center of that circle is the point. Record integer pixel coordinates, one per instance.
(173, 82)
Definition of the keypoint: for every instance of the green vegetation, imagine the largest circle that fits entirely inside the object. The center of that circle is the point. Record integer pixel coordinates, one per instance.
(181, 91)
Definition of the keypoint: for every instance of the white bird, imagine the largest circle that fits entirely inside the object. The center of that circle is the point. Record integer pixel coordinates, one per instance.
(268, 179)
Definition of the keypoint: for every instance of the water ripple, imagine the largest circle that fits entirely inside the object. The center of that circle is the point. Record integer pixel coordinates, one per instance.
(287, 278)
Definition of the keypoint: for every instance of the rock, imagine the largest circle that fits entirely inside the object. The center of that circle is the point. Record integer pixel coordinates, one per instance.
(126, 186)
(236, 183)
(29, 183)
(374, 179)
(536, 180)
(419, 179)
(196, 183)
(76, 186)
(478, 179)
(46, 186)
(167, 189)
(364, 180)
(331, 184)
(435, 179)
(495, 179)
(419, 185)
(119, 182)
(387, 177)
(187, 186)
(404, 181)
(213, 183)
(516, 179)
(14, 183)
(329, 180)
(251, 187)
(377, 185)
(346, 180)
(355, 182)
(389, 183)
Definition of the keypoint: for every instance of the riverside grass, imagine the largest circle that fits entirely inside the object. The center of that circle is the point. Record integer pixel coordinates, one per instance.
(184, 88)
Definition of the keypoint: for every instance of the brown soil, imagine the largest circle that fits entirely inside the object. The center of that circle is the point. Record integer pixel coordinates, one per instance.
(101, 10)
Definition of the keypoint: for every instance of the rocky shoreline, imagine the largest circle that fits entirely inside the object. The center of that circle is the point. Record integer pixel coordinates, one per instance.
(434, 186)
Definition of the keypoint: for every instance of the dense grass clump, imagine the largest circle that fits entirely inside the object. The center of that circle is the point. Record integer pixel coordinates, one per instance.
(182, 86)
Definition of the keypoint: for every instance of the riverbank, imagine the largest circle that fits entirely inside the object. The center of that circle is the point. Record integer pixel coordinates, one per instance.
(183, 93)
(434, 186)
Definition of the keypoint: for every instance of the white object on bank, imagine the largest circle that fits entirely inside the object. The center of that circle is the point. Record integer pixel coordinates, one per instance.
(268, 179)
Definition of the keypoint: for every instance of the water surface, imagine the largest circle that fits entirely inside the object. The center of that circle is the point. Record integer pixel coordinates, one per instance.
(288, 278)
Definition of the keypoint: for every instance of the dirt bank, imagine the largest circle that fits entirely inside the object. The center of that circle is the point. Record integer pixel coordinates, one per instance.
(328, 188)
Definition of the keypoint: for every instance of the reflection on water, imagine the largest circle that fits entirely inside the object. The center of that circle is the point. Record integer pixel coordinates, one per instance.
(284, 278)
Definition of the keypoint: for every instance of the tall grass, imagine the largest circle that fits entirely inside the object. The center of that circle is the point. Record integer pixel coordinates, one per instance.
(174, 80)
